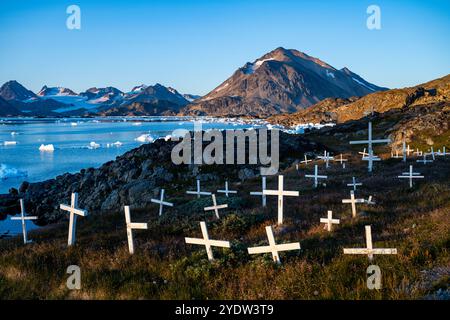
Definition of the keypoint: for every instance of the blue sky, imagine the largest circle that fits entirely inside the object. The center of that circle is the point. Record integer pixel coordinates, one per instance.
(195, 45)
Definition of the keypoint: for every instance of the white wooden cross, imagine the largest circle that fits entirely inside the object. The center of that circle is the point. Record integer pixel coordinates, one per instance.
(316, 176)
(306, 160)
(418, 153)
(341, 160)
(130, 227)
(329, 221)
(369, 201)
(257, 193)
(431, 153)
(353, 202)
(425, 161)
(411, 175)
(369, 143)
(199, 192)
(280, 193)
(24, 217)
(354, 184)
(408, 150)
(226, 191)
(363, 153)
(74, 212)
(369, 250)
(161, 202)
(404, 147)
(207, 242)
(273, 247)
(216, 207)
(443, 153)
(326, 157)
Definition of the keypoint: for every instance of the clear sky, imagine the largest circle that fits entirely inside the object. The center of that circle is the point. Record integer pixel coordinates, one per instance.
(195, 45)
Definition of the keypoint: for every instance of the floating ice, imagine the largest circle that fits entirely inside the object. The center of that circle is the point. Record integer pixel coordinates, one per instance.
(115, 144)
(10, 143)
(7, 172)
(145, 138)
(46, 148)
(93, 145)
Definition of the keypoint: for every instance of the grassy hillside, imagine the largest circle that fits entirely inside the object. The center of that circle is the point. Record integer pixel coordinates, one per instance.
(416, 222)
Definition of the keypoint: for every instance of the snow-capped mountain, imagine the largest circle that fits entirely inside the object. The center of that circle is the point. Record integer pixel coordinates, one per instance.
(280, 81)
(55, 91)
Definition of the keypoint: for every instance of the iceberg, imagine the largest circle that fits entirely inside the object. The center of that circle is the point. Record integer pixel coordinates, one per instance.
(46, 148)
(93, 145)
(10, 143)
(7, 172)
(145, 138)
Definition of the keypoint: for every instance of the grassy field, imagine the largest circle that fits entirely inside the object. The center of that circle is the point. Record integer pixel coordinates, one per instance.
(415, 221)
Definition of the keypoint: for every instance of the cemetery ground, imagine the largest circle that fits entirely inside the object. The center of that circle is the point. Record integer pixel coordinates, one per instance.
(415, 221)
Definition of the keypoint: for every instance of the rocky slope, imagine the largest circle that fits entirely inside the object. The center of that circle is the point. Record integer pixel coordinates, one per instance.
(134, 178)
(7, 110)
(338, 110)
(280, 81)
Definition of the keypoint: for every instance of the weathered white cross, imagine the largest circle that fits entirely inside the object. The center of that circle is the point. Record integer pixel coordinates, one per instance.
(354, 184)
(257, 193)
(207, 242)
(397, 156)
(280, 193)
(74, 212)
(369, 250)
(425, 160)
(329, 221)
(199, 192)
(369, 143)
(418, 153)
(130, 227)
(326, 157)
(273, 247)
(409, 150)
(353, 202)
(431, 153)
(316, 176)
(369, 201)
(161, 202)
(306, 160)
(226, 191)
(24, 217)
(363, 153)
(411, 175)
(216, 207)
(341, 160)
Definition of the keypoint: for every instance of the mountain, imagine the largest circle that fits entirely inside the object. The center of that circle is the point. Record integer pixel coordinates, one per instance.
(12, 90)
(136, 109)
(55, 91)
(342, 110)
(108, 95)
(191, 97)
(7, 110)
(280, 81)
(151, 94)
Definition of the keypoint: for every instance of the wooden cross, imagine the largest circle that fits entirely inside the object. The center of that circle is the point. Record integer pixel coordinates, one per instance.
(280, 193)
(443, 153)
(161, 202)
(408, 150)
(199, 192)
(369, 143)
(425, 161)
(130, 227)
(207, 242)
(397, 156)
(353, 202)
(329, 221)
(354, 184)
(23, 217)
(326, 157)
(306, 160)
(226, 191)
(257, 193)
(411, 175)
(431, 153)
(74, 212)
(363, 153)
(404, 147)
(273, 247)
(216, 207)
(369, 250)
(316, 176)
(418, 153)
(341, 160)
(369, 201)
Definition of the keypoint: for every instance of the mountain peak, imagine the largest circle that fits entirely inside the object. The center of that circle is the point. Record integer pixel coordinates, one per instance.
(13, 90)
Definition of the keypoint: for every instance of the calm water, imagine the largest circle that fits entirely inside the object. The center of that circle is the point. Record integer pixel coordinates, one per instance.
(20, 139)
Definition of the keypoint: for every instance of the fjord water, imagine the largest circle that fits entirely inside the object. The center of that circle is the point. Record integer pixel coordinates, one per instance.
(21, 159)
